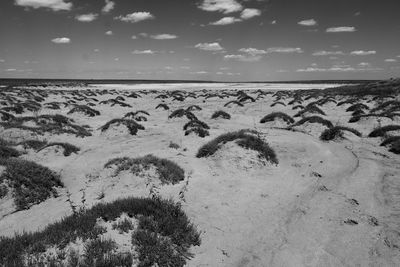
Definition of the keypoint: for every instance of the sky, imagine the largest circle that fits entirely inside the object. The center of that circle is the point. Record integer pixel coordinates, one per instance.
(220, 40)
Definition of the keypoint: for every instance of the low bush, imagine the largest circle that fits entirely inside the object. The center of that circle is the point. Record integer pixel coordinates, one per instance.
(358, 106)
(159, 219)
(168, 171)
(233, 102)
(310, 109)
(314, 119)
(132, 126)
(200, 131)
(35, 144)
(164, 106)
(278, 103)
(32, 183)
(8, 152)
(68, 148)
(277, 115)
(381, 131)
(221, 114)
(337, 132)
(85, 109)
(244, 139)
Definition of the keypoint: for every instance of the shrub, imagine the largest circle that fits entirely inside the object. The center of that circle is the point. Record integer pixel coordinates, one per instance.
(35, 144)
(86, 110)
(132, 126)
(381, 131)
(177, 113)
(337, 132)
(244, 139)
(8, 152)
(395, 147)
(358, 106)
(199, 131)
(168, 171)
(279, 115)
(358, 117)
(195, 123)
(222, 114)
(310, 109)
(390, 140)
(68, 148)
(278, 103)
(124, 226)
(314, 119)
(298, 107)
(31, 182)
(173, 145)
(193, 107)
(233, 102)
(164, 106)
(162, 219)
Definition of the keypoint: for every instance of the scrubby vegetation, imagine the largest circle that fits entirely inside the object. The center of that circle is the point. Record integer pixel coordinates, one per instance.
(337, 132)
(85, 109)
(244, 139)
(168, 171)
(132, 126)
(277, 115)
(31, 182)
(314, 119)
(312, 109)
(163, 237)
(233, 102)
(381, 131)
(68, 148)
(222, 114)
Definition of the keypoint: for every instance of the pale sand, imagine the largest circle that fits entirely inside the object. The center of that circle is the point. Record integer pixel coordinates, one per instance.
(248, 214)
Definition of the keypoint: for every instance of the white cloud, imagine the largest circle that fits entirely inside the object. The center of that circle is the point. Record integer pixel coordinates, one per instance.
(86, 17)
(108, 7)
(364, 64)
(273, 22)
(61, 40)
(327, 53)
(2, 61)
(390, 60)
(363, 53)
(308, 22)
(11, 69)
(134, 37)
(164, 36)
(252, 51)
(135, 17)
(284, 50)
(143, 52)
(199, 72)
(249, 13)
(339, 68)
(243, 58)
(226, 21)
(341, 29)
(55, 5)
(224, 6)
(209, 46)
(109, 33)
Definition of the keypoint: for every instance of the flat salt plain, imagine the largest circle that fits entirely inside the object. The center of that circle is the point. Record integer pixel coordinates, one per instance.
(325, 203)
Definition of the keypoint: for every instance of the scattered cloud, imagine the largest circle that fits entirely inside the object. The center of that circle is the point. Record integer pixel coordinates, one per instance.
(86, 17)
(134, 37)
(224, 6)
(109, 33)
(364, 64)
(244, 58)
(273, 22)
(284, 50)
(327, 53)
(341, 29)
(362, 53)
(55, 5)
(135, 17)
(390, 60)
(61, 40)
(253, 51)
(308, 22)
(226, 21)
(209, 46)
(143, 52)
(108, 7)
(11, 70)
(199, 72)
(2, 61)
(164, 36)
(249, 13)
(339, 68)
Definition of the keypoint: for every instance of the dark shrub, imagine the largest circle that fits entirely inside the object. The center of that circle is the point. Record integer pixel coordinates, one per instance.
(220, 113)
(279, 115)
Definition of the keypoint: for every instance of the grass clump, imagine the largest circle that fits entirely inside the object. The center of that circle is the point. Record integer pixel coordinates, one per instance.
(222, 114)
(169, 172)
(8, 152)
(31, 182)
(278, 103)
(162, 105)
(171, 232)
(86, 110)
(337, 132)
(243, 139)
(234, 102)
(35, 144)
(314, 119)
(68, 148)
(132, 126)
(310, 109)
(279, 115)
(381, 131)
